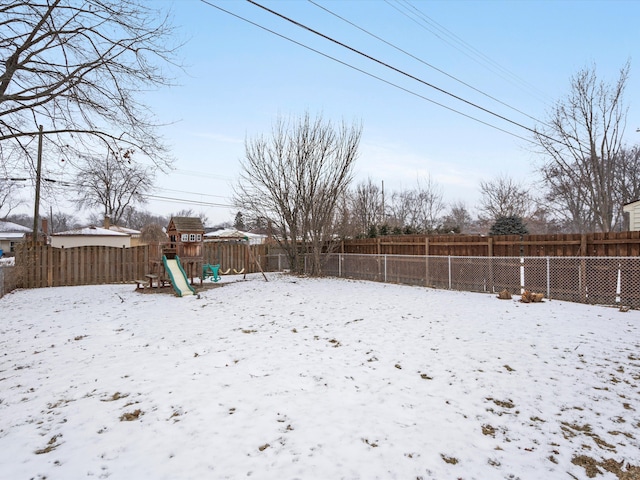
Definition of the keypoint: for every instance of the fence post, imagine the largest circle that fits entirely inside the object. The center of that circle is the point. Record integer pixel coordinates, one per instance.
(521, 275)
(426, 270)
(385, 269)
(340, 263)
(618, 285)
(449, 258)
(491, 266)
(548, 278)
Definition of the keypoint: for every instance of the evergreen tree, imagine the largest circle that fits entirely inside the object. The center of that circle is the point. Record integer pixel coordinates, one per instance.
(238, 223)
(509, 225)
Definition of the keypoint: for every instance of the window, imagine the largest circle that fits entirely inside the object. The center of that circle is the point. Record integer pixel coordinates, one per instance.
(199, 237)
(192, 237)
(185, 237)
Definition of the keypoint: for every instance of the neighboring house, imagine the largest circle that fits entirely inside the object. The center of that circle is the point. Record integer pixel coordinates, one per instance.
(10, 234)
(134, 234)
(633, 209)
(90, 236)
(106, 236)
(229, 234)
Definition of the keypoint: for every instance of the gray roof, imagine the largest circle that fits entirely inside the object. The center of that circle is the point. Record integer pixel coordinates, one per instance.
(91, 230)
(187, 224)
(13, 227)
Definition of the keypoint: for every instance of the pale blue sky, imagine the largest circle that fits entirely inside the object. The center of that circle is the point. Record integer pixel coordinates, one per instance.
(240, 78)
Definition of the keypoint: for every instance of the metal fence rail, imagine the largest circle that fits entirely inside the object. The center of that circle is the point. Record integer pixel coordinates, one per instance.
(594, 280)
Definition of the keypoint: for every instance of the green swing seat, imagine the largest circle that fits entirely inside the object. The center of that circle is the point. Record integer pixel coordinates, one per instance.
(209, 270)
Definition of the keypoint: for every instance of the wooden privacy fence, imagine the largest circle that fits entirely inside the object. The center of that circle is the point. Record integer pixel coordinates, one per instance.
(611, 244)
(235, 256)
(7, 279)
(46, 266)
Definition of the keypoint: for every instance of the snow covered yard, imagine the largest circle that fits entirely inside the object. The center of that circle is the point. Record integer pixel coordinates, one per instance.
(314, 379)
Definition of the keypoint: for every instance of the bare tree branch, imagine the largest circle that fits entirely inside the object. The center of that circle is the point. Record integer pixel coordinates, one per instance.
(79, 67)
(295, 178)
(581, 171)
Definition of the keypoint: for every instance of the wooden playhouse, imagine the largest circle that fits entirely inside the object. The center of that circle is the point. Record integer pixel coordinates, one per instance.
(186, 235)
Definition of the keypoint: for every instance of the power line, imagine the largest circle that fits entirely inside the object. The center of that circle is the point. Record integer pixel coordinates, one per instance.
(368, 73)
(64, 183)
(424, 62)
(190, 193)
(192, 173)
(402, 72)
(484, 59)
(190, 202)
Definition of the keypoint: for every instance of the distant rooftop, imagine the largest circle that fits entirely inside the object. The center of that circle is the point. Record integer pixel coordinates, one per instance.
(13, 227)
(91, 230)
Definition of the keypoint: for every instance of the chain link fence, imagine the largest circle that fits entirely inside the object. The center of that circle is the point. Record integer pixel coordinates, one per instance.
(594, 280)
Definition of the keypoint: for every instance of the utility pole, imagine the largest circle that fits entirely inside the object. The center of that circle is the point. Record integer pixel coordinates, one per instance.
(36, 212)
(384, 217)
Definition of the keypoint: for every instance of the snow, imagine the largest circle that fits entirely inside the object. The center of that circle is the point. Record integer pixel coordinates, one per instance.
(313, 379)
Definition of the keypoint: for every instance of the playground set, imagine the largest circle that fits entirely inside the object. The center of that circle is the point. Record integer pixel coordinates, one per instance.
(180, 261)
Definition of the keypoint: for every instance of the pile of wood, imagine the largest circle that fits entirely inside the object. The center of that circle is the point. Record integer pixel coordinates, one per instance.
(531, 297)
(504, 295)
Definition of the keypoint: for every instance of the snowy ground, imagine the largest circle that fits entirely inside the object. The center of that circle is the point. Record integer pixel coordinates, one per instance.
(314, 379)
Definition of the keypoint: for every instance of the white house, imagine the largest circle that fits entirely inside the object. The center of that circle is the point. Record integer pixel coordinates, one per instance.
(90, 236)
(633, 209)
(10, 234)
(229, 234)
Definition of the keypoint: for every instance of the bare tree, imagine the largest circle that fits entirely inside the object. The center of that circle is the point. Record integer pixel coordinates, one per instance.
(366, 206)
(627, 177)
(137, 219)
(61, 222)
(430, 204)
(113, 183)
(458, 219)
(153, 233)
(504, 197)
(420, 209)
(582, 142)
(9, 198)
(345, 224)
(295, 179)
(189, 212)
(78, 68)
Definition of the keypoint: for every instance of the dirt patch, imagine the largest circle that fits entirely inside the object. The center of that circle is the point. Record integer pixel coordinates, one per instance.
(168, 289)
(488, 430)
(130, 416)
(115, 396)
(502, 403)
(51, 445)
(450, 460)
(593, 467)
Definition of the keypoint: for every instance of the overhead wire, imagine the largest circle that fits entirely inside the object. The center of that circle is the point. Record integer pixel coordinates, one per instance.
(424, 62)
(190, 202)
(485, 60)
(413, 77)
(446, 107)
(72, 184)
